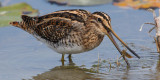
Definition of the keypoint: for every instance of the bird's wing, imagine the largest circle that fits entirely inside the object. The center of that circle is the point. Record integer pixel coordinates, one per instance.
(76, 15)
(57, 25)
(53, 29)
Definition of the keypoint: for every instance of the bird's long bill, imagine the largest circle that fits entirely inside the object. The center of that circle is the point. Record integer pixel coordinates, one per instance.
(109, 34)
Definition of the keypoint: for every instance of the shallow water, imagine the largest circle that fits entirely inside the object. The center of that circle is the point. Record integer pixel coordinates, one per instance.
(23, 57)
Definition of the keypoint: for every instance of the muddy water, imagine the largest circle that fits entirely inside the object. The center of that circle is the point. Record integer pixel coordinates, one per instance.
(23, 57)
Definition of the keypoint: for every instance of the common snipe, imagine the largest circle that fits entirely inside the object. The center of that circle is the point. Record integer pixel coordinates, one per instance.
(71, 31)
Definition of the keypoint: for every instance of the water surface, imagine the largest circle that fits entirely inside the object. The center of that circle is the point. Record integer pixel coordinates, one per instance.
(23, 57)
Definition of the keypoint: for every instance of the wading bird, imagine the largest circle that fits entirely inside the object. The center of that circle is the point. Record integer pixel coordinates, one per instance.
(71, 31)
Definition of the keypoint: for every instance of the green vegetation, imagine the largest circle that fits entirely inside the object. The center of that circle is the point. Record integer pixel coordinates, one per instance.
(14, 12)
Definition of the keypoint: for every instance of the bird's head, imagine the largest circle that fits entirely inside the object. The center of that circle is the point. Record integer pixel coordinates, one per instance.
(103, 21)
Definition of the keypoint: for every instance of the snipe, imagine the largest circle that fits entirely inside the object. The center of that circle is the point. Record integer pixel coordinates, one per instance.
(71, 31)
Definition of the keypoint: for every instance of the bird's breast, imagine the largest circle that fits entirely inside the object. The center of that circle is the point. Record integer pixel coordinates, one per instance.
(92, 40)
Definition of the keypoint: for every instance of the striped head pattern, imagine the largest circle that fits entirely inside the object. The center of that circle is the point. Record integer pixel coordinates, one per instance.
(103, 20)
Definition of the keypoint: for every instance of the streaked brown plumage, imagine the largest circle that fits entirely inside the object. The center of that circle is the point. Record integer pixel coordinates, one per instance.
(70, 31)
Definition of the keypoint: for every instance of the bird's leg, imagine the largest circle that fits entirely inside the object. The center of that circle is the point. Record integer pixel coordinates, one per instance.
(70, 57)
(62, 60)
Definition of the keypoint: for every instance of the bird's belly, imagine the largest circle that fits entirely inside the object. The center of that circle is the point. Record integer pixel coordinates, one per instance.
(61, 47)
(67, 49)
(69, 46)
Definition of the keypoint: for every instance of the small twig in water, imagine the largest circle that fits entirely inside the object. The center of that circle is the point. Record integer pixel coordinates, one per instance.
(118, 63)
(98, 63)
(156, 27)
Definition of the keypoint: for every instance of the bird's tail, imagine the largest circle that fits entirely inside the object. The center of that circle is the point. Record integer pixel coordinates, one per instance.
(26, 24)
(29, 21)
(15, 23)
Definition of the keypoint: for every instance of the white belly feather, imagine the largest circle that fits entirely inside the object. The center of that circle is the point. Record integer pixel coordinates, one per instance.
(71, 48)
(67, 49)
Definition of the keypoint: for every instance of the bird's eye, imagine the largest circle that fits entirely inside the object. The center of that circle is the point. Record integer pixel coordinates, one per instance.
(99, 19)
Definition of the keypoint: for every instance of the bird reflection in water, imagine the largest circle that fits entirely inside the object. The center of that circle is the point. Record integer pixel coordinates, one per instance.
(68, 72)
